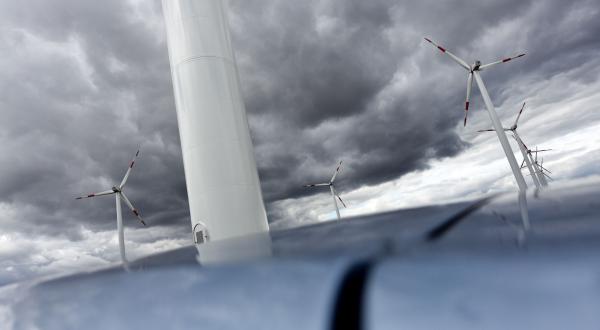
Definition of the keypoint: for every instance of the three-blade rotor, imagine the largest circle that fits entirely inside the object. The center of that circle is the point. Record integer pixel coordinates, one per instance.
(331, 184)
(119, 191)
(513, 128)
(477, 66)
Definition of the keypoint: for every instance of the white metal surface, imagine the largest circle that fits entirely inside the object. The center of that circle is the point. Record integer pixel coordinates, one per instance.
(221, 176)
(512, 161)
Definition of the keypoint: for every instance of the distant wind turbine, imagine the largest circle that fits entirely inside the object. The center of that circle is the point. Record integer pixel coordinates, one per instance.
(521, 145)
(120, 195)
(543, 170)
(474, 73)
(331, 186)
(540, 170)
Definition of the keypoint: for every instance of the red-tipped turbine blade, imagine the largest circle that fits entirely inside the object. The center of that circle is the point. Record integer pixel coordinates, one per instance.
(340, 198)
(337, 170)
(519, 115)
(133, 209)
(501, 61)
(107, 192)
(315, 185)
(454, 57)
(124, 181)
(469, 87)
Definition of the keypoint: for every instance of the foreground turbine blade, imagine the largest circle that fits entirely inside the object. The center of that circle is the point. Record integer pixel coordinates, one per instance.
(124, 181)
(519, 115)
(107, 192)
(133, 209)
(469, 87)
(501, 61)
(454, 57)
(337, 170)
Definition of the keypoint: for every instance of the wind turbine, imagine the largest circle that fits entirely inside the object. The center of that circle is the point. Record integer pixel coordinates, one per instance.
(539, 168)
(331, 186)
(120, 195)
(543, 170)
(521, 145)
(473, 71)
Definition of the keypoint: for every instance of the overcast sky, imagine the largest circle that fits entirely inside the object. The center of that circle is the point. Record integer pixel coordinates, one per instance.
(84, 83)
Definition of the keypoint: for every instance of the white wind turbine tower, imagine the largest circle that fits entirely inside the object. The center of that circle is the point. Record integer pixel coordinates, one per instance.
(473, 71)
(120, 195)
(522, 147)
(331, 186)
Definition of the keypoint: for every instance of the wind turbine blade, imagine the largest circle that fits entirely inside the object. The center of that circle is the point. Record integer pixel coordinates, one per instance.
(340, 198)
(501, 61)
(486, 130)
(543, 150)
(124, 181)
(523, 143)
(337, 170)
(454, 57)
(107, 192)
(519, 115)
(316, 185)
(523, 163)
(133, 209)
(469, 88)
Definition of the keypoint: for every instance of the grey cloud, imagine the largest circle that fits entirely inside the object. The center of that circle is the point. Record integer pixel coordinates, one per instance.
(323, 81)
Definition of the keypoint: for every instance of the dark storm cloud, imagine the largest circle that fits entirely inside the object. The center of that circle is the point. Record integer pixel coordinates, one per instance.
(85, 82)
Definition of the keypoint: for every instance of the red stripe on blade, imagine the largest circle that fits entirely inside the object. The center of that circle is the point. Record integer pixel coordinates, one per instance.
(92, 195)
(442, 49)
(131, 165)
(467, 106)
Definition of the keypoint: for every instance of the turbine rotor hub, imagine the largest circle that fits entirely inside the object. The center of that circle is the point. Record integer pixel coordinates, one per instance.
(115, 189)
